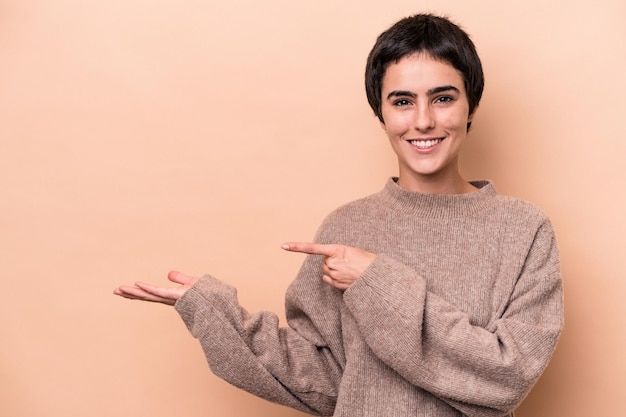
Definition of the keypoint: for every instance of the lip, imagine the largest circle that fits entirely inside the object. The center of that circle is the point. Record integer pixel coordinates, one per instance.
(438, 140)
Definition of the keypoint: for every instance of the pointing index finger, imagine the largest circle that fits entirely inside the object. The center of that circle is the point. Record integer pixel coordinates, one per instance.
(310, 248)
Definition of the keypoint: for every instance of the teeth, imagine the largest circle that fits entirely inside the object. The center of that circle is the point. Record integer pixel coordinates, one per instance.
(422, 144)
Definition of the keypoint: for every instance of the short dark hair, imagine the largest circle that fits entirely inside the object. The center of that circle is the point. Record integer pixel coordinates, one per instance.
(424, 33)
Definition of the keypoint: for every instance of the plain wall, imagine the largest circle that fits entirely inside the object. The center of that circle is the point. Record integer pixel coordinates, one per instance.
(141, 136)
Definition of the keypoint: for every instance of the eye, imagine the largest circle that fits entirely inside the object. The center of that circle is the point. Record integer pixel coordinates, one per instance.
(444, 99)
(401, 102)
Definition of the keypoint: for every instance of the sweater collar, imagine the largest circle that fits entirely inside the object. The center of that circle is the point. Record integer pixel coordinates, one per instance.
(439, 206)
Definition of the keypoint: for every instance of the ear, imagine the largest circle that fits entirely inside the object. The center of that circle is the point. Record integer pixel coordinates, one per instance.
(379, 116)
(472, 114)
(470, 118)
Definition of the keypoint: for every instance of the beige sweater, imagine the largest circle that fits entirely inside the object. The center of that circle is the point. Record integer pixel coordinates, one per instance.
(458, 315)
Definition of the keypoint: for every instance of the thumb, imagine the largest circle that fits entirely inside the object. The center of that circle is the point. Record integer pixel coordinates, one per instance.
(180, 278)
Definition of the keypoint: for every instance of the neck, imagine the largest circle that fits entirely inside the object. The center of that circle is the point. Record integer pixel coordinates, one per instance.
(432, 185)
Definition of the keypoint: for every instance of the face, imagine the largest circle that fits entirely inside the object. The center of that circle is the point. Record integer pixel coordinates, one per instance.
(425, 112)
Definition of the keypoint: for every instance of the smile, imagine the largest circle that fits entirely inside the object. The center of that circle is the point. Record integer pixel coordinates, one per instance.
(423, 144)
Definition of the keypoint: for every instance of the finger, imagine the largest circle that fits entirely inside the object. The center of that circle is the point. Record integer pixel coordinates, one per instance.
(328, 280)
(327, 270)
(136, 293)
(180, 278)
(311, 248)
(128, 291)
(160, 292)
(336, 262)
(334, 283)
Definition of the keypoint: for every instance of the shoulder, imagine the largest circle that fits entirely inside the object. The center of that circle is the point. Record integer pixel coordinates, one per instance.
(353, 215)
(521, 219)
(516, 209)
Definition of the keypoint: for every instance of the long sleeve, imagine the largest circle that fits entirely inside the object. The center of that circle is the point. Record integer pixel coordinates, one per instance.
(479, 370)
(458, 315)
(293, 366)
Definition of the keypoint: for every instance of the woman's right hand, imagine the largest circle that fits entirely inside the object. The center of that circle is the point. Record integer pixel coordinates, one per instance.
(156, 294)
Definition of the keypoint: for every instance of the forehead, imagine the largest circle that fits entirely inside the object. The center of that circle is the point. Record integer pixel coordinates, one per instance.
(420, 72)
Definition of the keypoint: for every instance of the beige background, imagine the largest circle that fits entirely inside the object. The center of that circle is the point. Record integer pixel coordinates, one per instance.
(141, 136)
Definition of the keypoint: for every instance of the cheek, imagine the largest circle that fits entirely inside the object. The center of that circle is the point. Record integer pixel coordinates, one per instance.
(455, 120)
(394, 131)
(395, 124)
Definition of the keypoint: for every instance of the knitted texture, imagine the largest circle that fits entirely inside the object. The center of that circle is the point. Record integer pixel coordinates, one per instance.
(458, 316)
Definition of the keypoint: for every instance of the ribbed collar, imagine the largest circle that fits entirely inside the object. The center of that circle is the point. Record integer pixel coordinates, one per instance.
(436, 205)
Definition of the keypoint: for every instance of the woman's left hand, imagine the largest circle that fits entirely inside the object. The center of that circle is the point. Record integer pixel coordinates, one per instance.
(164, 295)
(343, 264)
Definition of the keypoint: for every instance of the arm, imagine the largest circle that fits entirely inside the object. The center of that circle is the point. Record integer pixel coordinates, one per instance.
(294, 366)
(433, 345)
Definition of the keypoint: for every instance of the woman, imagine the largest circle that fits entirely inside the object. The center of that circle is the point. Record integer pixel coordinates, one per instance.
(434, 297)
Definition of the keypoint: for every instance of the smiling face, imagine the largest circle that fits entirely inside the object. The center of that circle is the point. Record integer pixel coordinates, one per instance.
(425, 111)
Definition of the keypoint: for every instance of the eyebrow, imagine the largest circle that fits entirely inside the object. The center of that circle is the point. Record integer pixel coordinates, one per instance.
(432, 91)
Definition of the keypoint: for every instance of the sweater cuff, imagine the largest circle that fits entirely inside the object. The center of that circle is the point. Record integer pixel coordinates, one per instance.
(388, 279)
(199, 300)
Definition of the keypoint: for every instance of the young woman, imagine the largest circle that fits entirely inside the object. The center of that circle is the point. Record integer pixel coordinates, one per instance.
(433, 297)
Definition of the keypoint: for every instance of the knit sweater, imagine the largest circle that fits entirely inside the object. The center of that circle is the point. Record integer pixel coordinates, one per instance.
(457, 316)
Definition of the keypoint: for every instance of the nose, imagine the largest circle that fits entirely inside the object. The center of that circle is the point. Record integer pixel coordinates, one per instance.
(424, 119)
